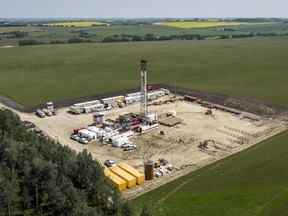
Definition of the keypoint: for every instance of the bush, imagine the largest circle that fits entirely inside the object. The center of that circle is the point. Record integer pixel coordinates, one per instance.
(29, 42)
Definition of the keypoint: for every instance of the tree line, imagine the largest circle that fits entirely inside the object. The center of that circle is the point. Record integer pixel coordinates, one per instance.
(152, 37)
(38, 176)
(149, 37)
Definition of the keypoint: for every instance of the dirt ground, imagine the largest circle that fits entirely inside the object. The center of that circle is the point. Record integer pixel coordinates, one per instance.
(178, 145)
(227, 134)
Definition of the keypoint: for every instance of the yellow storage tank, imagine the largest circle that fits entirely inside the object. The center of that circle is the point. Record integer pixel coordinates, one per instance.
(130, 180)
(119, 183)
(131, 170)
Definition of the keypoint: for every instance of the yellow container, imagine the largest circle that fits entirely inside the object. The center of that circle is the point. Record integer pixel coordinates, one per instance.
(107, 172)
(119, 183)
(130, 180)
(132, 171)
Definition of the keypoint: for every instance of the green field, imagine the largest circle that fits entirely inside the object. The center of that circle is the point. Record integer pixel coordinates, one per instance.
(252, 183)
(253, 67)
(97, 33)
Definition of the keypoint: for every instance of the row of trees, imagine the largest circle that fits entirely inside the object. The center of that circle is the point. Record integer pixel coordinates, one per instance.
(152, 37)
(15, 34)
(30, 42)
(41, 177)
(83, 38)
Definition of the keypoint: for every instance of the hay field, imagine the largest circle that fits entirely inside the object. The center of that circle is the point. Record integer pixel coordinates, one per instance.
(204, 24)
(79, 24)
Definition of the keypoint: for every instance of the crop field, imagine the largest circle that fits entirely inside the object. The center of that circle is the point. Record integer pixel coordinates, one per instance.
(200, 24)
(97, 33)
(205, 24)
(252, 183)
(76, 24)
(249, 68)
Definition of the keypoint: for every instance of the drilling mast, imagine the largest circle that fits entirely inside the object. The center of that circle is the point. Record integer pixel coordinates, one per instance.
(143, 72)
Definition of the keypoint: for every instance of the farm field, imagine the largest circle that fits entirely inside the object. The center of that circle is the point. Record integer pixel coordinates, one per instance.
(96, 33)
(76, 24)
(206, 24)
(251, 67)
(200, 24)
(251, 183)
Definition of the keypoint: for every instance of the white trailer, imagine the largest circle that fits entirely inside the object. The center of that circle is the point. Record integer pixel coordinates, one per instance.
(88, 103)
(85, 133)
(135, 94)
(118, 141)
(113, 100)
(76, 109)
(132, 99)
(85, 107)
(94, 108)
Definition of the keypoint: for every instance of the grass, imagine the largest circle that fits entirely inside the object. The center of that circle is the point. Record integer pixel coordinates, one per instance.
(252, 67)
(76, 24)
(252, 183)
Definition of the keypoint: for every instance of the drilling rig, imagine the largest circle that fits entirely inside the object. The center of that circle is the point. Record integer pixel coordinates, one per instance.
(144, 98)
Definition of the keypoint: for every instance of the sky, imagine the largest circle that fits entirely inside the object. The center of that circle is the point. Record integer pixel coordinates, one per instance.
(144, 8)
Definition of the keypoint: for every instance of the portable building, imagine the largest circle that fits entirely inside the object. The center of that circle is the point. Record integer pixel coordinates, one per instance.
(113, 100)
(132, 99)
(98, 131)
(76, 109)
(140, 178)
(146, 128)
(118, 141)
(94, 108)
(135, 94)
(130, 180)
(88, 103)
(166, 91)
(117, 181)
(87, 134)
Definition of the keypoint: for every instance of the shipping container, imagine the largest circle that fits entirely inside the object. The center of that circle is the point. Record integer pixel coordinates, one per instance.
(107, 172)
(118, 182)
(130, 180)
(140, 178)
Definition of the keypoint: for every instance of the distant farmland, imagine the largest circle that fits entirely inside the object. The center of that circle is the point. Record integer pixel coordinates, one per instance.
(76, 24)
(250, 68)
(203, 24)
